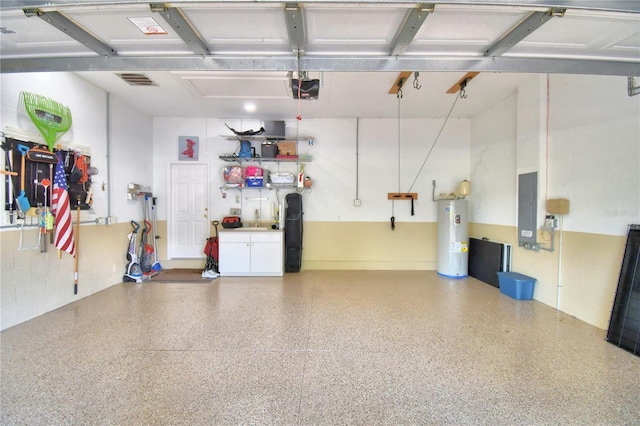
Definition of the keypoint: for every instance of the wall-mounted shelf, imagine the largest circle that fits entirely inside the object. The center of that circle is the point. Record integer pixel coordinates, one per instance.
(295, 159)
(304, 158)
(402, 196)
(265, 138)
(236, 159)
(273, 186)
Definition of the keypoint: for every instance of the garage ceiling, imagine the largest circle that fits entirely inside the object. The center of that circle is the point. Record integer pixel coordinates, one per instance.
(210, 58)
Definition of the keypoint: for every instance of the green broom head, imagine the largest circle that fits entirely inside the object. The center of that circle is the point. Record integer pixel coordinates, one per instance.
(50, 117)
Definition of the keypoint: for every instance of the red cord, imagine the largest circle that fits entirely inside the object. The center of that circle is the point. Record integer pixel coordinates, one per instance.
(299, 116)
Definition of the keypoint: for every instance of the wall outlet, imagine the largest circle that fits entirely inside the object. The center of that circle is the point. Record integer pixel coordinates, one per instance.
(551, 222)
(357, 202)
(235, 212)
(112, 220)
(101, 220)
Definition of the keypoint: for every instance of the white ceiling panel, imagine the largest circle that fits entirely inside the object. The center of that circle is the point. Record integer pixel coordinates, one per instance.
(258, 30)
(218, 55)
(33, 37)
(352, 30)
(470, 27)
(581, 36)
(121, 33)
(117, 27)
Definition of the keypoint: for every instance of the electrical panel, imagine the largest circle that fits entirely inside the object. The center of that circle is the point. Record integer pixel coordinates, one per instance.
(527, 208)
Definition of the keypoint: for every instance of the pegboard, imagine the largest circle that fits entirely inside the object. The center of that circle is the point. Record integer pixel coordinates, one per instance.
(77, 168)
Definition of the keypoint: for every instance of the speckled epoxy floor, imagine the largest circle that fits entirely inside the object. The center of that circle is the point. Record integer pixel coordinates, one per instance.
(314, 348)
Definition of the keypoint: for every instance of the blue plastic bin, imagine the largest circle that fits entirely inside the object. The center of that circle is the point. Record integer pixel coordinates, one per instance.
(516, 285)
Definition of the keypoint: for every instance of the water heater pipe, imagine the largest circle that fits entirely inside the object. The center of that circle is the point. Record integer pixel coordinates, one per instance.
(433, 191)
(464, 189)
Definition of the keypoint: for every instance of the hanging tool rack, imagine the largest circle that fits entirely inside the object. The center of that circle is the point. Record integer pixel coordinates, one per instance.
(29, 177)
(38, 162)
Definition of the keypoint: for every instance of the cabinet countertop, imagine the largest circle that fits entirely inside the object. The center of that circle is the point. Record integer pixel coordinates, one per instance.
(250, 229)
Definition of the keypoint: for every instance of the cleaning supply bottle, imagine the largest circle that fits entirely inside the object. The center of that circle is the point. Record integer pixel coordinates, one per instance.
(301, 177)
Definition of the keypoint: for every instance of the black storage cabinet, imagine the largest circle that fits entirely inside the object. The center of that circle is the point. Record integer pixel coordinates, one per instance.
(293, 233)
(624, 326)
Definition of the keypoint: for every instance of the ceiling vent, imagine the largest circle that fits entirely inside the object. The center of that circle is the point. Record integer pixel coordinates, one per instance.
(137, 79)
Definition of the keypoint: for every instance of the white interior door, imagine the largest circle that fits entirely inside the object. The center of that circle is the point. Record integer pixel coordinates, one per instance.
(188, 219)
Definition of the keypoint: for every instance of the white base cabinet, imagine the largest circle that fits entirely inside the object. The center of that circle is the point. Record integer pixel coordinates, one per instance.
(244, 253)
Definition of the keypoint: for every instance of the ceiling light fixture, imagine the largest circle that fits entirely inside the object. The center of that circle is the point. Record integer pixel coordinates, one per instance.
(249, 107)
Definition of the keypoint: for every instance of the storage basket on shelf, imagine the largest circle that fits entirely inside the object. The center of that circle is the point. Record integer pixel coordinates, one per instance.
(234, 175)
(282, 178)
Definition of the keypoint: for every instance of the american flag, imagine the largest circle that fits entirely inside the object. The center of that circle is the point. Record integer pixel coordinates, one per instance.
(63, 237)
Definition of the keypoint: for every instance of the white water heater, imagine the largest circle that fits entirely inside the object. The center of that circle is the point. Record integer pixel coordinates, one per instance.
(453, 238)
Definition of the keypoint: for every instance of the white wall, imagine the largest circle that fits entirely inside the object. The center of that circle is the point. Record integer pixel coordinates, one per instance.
(595, 152)
(493, 166)
(333, 168)
(31, 282)
(590, 152)
(131, 154)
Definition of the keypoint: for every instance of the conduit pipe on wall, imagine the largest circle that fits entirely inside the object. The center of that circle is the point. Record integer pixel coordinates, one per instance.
(559, 267)
(108, 137)
(357, 157)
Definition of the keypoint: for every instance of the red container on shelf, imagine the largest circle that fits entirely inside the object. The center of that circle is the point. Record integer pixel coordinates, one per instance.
(254, 171)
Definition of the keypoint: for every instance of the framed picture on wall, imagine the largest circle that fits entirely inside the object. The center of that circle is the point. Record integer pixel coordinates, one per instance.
(188, 148)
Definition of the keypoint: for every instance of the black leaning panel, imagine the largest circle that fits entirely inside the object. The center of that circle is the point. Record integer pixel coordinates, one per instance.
(624, 326)
(485, 260)
(293, 233)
